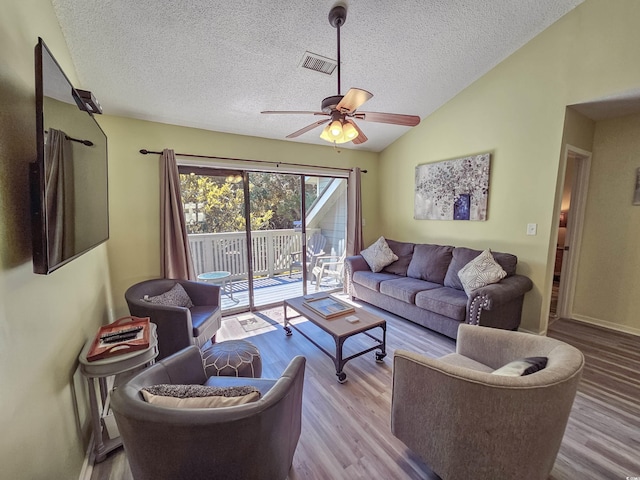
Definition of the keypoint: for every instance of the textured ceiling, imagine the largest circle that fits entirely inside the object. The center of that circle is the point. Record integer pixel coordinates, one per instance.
(215, 65)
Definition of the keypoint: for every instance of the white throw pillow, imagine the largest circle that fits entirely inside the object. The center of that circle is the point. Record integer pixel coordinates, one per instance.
(481, 271)
(379, 255)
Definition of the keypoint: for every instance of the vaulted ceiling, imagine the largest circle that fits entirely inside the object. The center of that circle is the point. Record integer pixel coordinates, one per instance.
(216, 64)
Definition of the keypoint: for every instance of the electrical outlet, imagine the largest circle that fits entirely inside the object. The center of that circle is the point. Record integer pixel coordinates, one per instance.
(532, 228)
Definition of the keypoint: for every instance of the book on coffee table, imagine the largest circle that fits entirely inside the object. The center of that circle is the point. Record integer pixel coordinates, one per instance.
(328, 307)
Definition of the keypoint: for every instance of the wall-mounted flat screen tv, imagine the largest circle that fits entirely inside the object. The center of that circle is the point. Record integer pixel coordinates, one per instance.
(69, 190)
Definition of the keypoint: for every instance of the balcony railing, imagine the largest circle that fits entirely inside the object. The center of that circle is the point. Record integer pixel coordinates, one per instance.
(227, 252)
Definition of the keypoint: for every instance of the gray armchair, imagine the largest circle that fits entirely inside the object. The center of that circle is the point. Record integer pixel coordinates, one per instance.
(254, 441)
(465, 422)
(178, 327)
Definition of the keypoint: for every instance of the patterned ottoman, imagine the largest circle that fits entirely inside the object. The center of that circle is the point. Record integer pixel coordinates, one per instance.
(232, 358)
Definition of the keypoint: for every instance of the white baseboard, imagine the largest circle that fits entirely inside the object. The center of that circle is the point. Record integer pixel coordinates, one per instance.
(524, 330)
(603, 323)
(89, 459)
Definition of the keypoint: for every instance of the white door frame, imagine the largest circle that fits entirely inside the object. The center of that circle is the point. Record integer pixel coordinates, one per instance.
(573, 242)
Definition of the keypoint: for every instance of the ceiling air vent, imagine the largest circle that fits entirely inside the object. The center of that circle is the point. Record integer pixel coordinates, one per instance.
(318, 63)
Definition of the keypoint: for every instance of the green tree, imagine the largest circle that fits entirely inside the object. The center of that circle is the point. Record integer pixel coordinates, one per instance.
(218, 205)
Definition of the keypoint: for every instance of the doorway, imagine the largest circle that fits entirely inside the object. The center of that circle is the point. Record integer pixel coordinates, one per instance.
(570, 222)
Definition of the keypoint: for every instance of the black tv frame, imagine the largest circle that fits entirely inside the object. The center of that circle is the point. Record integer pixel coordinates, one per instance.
(39, 221)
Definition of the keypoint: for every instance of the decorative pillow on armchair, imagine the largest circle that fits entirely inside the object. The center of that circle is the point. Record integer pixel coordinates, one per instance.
(481, 271)
(378, 255)
(199, 396)
(522, 367)
(176, 297)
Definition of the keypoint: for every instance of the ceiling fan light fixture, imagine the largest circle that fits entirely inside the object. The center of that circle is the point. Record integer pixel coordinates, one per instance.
(326, 135)
(335, 129)
(349, 131)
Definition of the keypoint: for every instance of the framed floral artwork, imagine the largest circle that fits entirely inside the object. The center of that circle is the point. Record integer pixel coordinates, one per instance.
(453, 189)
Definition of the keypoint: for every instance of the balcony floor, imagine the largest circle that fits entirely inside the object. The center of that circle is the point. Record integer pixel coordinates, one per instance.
(269, 291)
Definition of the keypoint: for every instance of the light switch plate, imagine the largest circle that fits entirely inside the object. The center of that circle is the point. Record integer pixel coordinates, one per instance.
(532, 228)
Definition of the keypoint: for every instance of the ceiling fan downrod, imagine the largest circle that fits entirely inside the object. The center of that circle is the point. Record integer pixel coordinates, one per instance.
(337, 17)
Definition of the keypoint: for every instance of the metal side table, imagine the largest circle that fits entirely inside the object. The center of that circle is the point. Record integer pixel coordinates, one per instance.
(105, 435)
(221, 278)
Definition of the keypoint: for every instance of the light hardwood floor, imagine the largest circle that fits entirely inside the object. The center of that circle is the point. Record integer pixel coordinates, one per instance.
(346, 432)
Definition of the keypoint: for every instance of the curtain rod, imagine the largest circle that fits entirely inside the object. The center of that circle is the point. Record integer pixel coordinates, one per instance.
(148, 152)
(88, 143)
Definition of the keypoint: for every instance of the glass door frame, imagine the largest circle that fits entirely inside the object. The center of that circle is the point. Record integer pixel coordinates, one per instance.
(223, 171)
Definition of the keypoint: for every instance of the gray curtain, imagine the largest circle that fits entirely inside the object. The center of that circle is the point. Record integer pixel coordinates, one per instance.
(58, 158)
(354, 213)
(174, 245)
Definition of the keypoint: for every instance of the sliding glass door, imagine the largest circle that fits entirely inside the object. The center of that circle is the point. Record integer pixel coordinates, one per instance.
(214, 207)
(292, 243)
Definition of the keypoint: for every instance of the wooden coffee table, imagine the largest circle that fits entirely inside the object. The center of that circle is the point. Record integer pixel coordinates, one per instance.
(340, 329)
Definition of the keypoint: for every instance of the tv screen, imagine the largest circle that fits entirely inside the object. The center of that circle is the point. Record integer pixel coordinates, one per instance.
(69, 191)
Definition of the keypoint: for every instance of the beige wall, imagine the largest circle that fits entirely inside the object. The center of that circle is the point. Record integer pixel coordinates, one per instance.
(134, 246)
(516, 112)
(44, 320)
(609, 265)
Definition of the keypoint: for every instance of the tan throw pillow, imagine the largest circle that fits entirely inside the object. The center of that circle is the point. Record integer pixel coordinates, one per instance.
(379, 255)
(176, 297)
(199, 396)
(481, 271)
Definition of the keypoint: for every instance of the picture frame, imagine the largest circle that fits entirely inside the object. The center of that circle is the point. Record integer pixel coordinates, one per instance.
(455, 189)
(328, 307)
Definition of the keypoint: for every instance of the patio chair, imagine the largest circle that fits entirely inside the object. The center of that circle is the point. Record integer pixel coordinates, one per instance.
(329, 266)
(315, 246)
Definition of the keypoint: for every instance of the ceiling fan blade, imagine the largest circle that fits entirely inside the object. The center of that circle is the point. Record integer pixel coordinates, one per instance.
(354, 98)
(307, 128)
(392, 118)
(361, 138)
(293, 112)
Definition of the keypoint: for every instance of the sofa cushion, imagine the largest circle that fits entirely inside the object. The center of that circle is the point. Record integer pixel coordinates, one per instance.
(430, 262)
(462, 256)
(405, 289)
(202, 317)
(371, 280)
(480, 272)
(445, 301)
(404, 252)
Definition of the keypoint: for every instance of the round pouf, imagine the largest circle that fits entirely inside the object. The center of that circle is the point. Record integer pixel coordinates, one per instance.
(232, 358)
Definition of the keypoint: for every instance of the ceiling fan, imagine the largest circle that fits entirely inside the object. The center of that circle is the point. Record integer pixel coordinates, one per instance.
(342, 109)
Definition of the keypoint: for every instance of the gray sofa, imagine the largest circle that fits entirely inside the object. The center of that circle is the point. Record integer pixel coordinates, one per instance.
(423, 286)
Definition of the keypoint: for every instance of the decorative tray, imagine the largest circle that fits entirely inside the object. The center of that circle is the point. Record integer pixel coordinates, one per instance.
(328, 307)
(125, 335)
